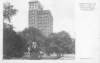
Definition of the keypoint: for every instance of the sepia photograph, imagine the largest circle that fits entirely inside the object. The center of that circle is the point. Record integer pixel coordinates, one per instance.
(38, 30)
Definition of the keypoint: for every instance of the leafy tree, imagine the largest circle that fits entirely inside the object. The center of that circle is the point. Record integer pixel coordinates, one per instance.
(8, 11)
(59, 43)
(13, 44)
(33, 35)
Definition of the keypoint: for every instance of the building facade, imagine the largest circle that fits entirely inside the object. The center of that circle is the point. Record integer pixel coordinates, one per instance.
(39, 18)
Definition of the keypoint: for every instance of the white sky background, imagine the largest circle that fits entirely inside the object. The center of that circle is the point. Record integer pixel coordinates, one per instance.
(62, 11)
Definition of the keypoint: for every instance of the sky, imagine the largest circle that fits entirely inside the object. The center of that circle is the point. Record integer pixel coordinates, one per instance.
(62, 12)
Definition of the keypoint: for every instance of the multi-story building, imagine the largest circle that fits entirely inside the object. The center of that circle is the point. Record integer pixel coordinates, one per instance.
(39, 18)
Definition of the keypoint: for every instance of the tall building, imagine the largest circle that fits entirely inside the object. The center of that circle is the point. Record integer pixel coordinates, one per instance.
(39, 18)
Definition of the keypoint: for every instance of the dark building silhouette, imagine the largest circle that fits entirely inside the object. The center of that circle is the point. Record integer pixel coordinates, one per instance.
(40, 18)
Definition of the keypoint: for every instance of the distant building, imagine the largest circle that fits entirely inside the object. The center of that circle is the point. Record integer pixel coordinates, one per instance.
(39, 18)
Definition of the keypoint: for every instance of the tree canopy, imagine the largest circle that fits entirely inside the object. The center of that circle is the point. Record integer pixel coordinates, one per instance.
(13, 44)
(32, 34)
(8, 11)
(59, 43)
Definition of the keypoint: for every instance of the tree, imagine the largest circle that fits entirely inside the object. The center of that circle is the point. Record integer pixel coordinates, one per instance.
(33, 35)
(8, 11)
(67, 42)
(13, 44)
(59, 43)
